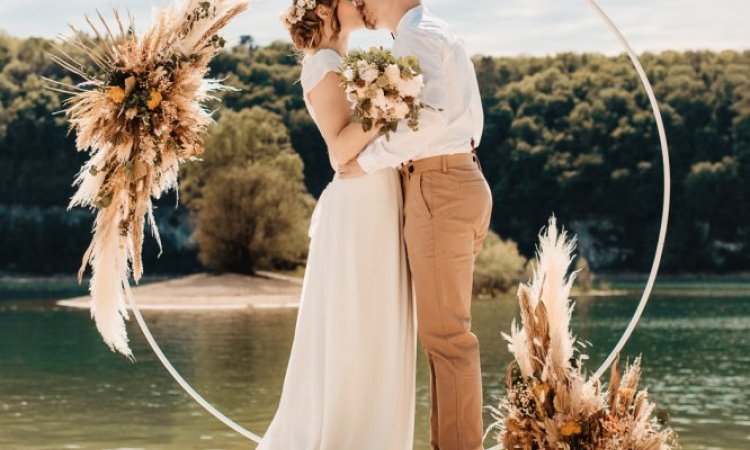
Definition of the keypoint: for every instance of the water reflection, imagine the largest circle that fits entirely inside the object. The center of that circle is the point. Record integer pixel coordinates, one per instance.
(61, 388)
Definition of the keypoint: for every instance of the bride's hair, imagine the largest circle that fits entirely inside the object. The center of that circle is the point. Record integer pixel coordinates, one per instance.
(307, 33)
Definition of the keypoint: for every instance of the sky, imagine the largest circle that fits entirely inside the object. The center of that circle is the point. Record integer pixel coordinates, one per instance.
(491, 27)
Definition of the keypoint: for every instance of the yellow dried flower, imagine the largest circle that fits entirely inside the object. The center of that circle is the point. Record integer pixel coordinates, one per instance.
(541, 391)
(571, 429)
(154, 100)
(116, 94)
(626, 393)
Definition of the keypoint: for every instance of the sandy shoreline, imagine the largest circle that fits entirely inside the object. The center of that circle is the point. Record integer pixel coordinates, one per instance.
(267, 290)
(203, 292)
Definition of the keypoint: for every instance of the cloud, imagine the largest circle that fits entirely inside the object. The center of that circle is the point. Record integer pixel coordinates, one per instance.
(498, 27)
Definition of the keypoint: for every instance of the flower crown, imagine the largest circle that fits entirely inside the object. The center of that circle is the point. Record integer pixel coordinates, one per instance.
(296, 12)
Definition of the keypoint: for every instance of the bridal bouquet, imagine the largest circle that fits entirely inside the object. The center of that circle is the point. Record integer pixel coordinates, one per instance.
(550, 405)
(139, 113)
(383, 89)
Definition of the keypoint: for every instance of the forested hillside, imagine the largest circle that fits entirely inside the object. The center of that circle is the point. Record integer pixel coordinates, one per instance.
(570, 134)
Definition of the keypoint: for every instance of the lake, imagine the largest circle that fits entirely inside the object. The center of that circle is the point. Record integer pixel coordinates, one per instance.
(61, 388)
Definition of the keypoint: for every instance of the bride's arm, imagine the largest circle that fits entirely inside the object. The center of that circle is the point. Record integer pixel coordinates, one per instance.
(345, 138)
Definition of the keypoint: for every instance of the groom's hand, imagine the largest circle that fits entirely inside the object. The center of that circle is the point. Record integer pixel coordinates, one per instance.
(352, 169)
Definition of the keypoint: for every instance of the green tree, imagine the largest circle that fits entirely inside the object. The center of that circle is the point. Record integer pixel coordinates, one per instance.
(570, 134)
(251, 206)
(499, 266)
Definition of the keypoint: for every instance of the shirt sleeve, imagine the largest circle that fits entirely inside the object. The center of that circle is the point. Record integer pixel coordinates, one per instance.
(405, 143)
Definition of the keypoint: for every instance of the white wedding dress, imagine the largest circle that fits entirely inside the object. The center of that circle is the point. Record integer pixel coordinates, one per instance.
(350, 382)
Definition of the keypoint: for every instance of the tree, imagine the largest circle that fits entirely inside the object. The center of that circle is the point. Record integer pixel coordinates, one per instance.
(251, 219)
(251, 206)
(570, 133)
(499, 266)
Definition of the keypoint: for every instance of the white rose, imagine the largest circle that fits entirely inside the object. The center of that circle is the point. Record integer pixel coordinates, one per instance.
(411, 88)
(401, 110)
(393, 74)
(349, 74)
(378, 99)
(368, 72)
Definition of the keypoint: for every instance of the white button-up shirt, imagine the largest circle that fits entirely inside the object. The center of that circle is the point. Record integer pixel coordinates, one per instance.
(450, 87)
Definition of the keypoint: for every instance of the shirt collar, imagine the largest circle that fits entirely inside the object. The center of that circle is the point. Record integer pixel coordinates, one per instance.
(411, 17)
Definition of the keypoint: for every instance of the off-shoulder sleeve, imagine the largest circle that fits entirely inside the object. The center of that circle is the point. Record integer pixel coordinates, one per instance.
(315, 67)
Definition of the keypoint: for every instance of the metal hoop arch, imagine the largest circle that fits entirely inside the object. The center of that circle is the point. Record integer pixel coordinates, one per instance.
(613, 354)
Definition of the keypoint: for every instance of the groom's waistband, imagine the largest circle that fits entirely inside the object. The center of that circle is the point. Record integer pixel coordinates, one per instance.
(440, 162)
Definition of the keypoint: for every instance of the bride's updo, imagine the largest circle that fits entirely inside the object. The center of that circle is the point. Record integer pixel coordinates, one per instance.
(306, 27)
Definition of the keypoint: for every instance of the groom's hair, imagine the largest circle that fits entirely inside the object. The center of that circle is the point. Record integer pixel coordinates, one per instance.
(307, 33)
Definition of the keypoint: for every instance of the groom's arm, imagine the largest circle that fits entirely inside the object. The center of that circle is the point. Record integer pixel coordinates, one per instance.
(405, 143)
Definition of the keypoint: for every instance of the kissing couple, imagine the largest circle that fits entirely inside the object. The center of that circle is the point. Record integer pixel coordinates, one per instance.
(394, 237)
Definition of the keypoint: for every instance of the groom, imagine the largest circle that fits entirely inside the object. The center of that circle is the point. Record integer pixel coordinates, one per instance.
(447, 205)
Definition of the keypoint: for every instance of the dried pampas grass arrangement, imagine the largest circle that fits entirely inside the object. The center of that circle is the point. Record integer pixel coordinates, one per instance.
(550, 404)
(139, 111)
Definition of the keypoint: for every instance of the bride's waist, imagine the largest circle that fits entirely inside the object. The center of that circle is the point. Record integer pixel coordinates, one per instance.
(385, 173)
(375, 183)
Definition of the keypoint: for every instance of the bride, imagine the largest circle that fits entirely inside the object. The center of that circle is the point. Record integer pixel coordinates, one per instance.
(350, 379)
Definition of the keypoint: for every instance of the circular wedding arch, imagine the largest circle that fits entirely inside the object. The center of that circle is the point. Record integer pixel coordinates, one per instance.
(612, 355)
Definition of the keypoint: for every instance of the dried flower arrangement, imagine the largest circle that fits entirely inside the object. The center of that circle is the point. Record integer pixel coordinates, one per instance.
(139, 111)
(550, 404)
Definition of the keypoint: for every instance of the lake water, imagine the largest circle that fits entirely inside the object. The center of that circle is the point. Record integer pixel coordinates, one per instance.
(61, 388)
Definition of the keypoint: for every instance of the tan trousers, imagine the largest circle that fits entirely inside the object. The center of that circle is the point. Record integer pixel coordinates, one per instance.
(447, 206)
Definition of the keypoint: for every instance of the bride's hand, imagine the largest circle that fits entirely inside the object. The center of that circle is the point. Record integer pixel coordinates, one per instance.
(374, 131)
(352, 169)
